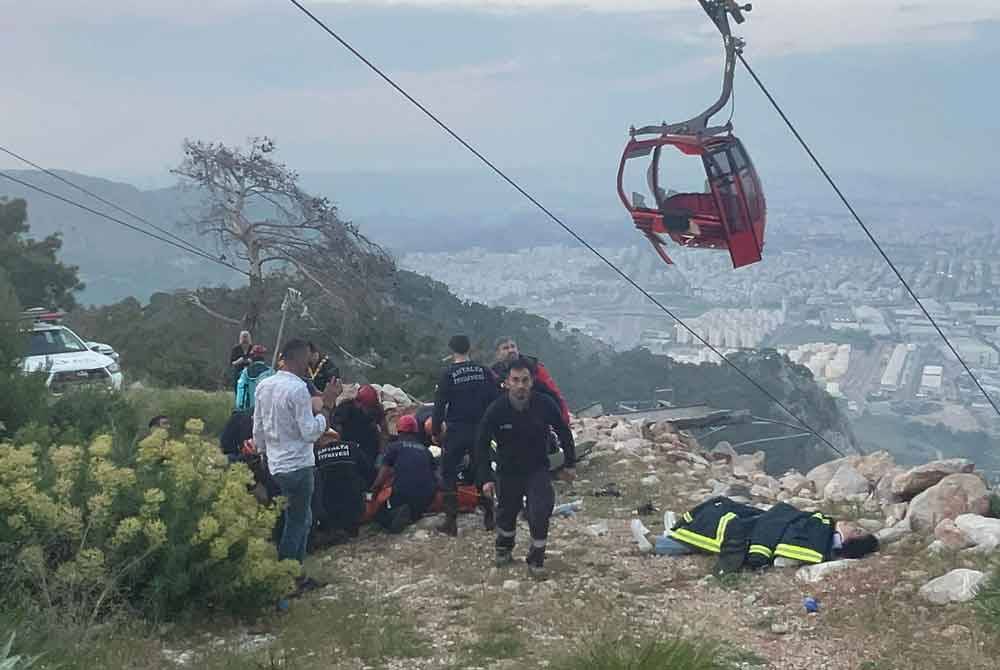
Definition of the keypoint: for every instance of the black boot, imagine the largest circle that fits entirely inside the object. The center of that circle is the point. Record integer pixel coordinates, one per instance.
(536, 562)
(450, 524)
(489, 520)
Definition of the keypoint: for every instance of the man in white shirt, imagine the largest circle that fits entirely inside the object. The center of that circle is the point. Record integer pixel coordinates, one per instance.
(286, 425)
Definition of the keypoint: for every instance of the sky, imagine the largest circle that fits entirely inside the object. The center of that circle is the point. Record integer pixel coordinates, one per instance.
(546, 88)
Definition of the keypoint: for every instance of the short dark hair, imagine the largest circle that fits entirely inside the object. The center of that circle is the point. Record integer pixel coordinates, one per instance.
(859, 547)
(312, 347)
(520, 363)
(156, 419)
(294, 348)
(459, 344)
(503, 340)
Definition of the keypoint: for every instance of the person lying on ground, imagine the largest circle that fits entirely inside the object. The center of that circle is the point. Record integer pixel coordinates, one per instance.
(409, 467)
(743, 536)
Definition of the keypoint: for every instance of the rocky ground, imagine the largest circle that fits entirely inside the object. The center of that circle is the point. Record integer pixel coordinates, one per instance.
(427, 601)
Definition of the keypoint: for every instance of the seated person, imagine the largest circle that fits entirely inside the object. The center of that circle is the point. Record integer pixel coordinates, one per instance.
(238, 429)
(745, 536)
(410, 468)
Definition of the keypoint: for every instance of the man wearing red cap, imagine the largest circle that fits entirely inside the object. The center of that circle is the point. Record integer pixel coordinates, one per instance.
(410, 466)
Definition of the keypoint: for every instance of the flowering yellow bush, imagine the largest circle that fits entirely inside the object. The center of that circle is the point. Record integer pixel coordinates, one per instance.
(174, 527)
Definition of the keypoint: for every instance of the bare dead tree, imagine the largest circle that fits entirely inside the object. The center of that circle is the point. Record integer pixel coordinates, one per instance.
(257, 212)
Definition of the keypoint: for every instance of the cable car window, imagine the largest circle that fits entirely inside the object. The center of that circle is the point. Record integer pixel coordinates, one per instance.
(749, 184)
(729, 198)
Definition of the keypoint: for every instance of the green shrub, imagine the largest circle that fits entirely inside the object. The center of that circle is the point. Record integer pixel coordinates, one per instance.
(181, 405)
(176, 529)
(988, 599)
(675, 654)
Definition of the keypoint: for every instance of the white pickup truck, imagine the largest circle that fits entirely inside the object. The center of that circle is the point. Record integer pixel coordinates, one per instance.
(67, 360)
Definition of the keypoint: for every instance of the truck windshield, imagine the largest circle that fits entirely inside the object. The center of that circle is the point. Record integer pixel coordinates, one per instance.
(55, 341)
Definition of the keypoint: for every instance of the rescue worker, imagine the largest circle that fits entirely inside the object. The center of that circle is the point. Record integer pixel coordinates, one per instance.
(410, 468)
(342, 476)
(321, 369)
(506, 351)
(464, 392)
(362, 421)
(519, 422)
(745, 536)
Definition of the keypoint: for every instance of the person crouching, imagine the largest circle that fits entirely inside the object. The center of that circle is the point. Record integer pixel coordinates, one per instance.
(409, 466)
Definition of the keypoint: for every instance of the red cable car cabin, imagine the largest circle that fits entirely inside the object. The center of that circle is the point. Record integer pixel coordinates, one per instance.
(730, 214)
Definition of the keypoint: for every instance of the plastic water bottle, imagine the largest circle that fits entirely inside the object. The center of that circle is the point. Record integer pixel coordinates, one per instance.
(639, 532)
(811, 605)
(568, 509)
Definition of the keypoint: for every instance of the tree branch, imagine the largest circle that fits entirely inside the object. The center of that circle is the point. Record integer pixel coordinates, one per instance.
(196, 301)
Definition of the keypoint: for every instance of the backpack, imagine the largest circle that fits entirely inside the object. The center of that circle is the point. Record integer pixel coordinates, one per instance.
(247, 385)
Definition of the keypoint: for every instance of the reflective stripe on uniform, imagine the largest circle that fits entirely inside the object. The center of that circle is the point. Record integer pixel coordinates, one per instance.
(760, 549)
(506, 533)
(798, 553)
(707, 543)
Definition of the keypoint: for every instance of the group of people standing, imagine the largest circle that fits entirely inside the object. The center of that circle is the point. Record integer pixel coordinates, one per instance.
(497, 425)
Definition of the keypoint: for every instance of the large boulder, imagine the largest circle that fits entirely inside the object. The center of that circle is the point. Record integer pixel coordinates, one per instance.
(883, 489)
(821, 475)
(794, 483)
(981, 531)
(922, 477)
(846, 484)
(723, 451)
(748, 464)
(659, 432)
(951, 535)
(958, 586)
(950, 497)
(874, 466)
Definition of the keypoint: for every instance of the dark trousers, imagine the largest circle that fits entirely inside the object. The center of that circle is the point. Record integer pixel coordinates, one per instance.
(459, 441)
(418, 504)
(511, 491)
(338, 503)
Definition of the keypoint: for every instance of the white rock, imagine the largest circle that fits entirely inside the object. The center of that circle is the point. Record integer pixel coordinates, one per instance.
(623, 431)
(982, 531)
(894, 534)
(958, 586)
(511, 585)
(811, 574)
(793, 483)
(421, 535)
(748, 464)
(598, 529)
(952, 535)
(651, 480)
(874, 466)
(845, 483)
(821, 475)
(952, 496)
(922, 477)
(782, 562)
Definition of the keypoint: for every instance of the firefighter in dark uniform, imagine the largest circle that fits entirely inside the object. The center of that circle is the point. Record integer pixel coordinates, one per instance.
(745, 536)
(465, 391)
(519, 422)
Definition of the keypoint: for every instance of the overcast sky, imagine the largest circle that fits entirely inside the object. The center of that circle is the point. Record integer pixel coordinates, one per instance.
(111, 88)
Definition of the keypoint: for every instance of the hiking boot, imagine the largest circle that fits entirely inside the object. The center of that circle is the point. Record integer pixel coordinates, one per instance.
(450, 524)
(489, 520)
(537, 572)
(400, 519)
(504, 557)
(536, 561)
